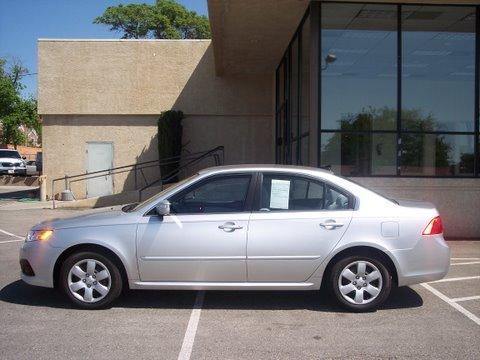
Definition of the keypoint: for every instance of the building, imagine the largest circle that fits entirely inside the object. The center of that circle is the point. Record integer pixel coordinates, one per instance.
(382, 92)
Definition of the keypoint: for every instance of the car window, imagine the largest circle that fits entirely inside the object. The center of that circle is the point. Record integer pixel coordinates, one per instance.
(285, 192)
(217, 195)
(336, 200)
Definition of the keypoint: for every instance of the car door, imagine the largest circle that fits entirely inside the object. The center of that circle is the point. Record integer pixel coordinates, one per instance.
(296, 222)
(204, 237)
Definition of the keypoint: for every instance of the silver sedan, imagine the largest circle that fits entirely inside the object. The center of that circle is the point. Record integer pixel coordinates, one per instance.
(244, 228)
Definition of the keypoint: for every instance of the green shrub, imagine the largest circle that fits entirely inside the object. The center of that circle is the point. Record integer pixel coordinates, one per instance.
(169, 139)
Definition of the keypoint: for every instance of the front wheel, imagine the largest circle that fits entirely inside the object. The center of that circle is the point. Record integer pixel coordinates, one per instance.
(360, 283)
(90, 280)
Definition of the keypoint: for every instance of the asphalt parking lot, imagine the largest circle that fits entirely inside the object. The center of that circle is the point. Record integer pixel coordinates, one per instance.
(439, 320)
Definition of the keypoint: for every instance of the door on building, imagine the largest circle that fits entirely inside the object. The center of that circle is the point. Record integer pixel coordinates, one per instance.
(99, 157)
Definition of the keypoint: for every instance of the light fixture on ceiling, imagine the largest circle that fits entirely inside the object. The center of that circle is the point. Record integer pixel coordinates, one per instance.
(376, 14)
(329, 59)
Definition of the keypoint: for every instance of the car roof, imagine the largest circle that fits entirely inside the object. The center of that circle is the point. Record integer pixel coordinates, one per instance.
(262, 167)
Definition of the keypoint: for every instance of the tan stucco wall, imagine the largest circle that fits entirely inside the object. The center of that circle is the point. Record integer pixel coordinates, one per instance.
(142, 77)
(246, 140)
(64, 143)
(457, 200)
(115, 90)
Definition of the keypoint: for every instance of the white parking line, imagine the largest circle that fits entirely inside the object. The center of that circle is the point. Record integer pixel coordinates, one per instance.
(464, 259)
(12, 235)
(189, 338)
(466, 263)
(455, 279)
(466, 298)
(453, 304)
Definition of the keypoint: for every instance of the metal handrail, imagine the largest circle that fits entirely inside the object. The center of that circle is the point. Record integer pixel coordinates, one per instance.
(210, 153)
(193, 157)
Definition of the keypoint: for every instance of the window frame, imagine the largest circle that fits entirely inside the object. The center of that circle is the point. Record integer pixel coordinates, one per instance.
(248, 199)
(257, 201)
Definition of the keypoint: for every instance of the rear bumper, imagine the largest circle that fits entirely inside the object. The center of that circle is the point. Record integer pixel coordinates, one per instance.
(429, 260)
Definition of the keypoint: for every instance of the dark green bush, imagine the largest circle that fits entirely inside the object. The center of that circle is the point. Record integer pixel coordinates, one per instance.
(169, 139)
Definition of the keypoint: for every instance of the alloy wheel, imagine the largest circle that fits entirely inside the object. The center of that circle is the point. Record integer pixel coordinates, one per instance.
(360, 282)
(89, 280)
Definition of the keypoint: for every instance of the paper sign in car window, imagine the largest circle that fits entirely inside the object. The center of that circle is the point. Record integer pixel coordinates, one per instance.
(279, 194)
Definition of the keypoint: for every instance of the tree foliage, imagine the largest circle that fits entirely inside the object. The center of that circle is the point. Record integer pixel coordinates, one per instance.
(166, 19)
(358, 147)
(14, 110)
(170, 132)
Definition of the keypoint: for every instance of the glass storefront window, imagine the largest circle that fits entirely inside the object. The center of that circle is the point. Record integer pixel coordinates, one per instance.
(359, 154)
(438, 68)
(293, 86)
(305, 94)
(358, 57)
(397, 90)
(294, 90)
(437, 155)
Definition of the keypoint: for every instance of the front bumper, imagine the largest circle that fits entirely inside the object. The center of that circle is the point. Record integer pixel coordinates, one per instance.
(13, 170)
(41, 257)
(428, 261)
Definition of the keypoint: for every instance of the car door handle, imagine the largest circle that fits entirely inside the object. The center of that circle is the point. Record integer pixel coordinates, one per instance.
(330, 225)
(230, 226)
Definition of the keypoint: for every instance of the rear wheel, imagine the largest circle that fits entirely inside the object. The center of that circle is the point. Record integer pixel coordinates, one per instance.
(90, 280)
(360, 283)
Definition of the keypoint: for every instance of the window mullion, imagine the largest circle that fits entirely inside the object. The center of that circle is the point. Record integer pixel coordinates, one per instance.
(399, 88)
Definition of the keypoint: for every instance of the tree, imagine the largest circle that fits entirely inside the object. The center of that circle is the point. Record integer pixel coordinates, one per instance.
(170, 132)
(14, 110)
(359, 149)
(166, 19)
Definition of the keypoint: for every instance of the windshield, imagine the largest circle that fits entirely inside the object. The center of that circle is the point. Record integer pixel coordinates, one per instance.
(9, 154)
(152, 200)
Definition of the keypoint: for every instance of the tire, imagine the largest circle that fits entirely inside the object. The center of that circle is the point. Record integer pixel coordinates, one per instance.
(369, 287)
(90, 291)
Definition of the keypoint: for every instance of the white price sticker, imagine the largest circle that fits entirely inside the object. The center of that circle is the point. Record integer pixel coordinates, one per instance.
(279, 194)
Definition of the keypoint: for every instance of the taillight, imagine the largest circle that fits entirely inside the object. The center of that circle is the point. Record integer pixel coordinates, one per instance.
(434, 227)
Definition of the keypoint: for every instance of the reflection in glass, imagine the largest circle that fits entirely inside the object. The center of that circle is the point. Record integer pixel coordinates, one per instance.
(359, 54)
(437, 155)
(293, 103)
(305, 94)
(280, 114)
(359, 154)
(304, 150)
(438, 67)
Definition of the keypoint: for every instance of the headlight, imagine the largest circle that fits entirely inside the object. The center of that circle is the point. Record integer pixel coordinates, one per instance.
(40, 235)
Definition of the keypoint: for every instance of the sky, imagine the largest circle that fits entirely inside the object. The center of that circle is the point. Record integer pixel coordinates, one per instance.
(22, 22)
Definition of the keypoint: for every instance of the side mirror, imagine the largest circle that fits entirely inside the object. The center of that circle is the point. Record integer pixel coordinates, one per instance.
(163, 208)
(24, 157)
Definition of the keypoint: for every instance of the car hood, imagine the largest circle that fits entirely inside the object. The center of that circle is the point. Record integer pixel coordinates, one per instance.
(112, 216)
